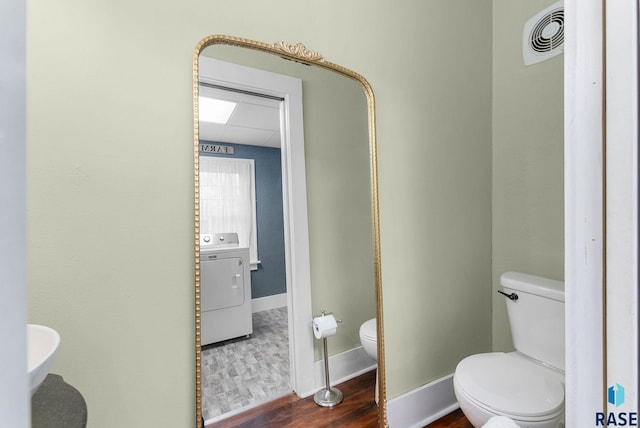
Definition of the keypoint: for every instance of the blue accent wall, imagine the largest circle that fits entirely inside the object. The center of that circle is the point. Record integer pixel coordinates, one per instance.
(270, 277)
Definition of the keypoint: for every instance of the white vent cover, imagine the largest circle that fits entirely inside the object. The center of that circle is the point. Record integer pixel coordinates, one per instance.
(543, 34)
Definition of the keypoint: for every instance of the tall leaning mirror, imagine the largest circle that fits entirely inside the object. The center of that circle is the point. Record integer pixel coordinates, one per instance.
(286, 225)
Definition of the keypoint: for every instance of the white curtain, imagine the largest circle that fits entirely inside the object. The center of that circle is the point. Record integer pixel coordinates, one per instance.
(227, 199)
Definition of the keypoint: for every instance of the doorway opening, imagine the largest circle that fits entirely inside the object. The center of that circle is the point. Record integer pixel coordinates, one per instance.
(265, 127)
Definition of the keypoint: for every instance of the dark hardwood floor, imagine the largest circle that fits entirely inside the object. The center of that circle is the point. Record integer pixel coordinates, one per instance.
(358, 410)
(455, 419)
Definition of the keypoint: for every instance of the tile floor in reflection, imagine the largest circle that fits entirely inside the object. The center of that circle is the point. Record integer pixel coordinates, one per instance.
(245, 372)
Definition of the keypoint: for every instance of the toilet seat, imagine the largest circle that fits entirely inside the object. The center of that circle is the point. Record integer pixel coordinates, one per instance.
(511, 384)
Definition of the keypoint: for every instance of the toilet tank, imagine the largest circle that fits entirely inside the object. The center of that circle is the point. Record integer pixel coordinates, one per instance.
(536, 316)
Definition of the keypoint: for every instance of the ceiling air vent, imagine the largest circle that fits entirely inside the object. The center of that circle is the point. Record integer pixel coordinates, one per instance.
(543, 34)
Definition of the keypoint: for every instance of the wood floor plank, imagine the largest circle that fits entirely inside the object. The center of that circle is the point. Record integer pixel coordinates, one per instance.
(455, 419)
(358, 410)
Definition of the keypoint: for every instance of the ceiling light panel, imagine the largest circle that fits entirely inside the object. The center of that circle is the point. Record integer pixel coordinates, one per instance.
(214, 110)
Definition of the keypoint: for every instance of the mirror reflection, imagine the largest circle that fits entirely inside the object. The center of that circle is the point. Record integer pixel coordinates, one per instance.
(285, 227)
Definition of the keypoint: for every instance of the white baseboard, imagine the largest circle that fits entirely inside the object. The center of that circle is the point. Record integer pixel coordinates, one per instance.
(269, 302)
(342, 367)
(423, 405)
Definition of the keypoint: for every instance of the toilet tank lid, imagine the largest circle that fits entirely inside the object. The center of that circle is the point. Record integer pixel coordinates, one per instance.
(532, 284)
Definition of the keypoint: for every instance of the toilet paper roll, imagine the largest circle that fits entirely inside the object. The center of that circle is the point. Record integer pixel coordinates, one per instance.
(324, 326)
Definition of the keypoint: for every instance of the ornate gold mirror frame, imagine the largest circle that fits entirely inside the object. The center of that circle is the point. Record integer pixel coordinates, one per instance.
(296, 52)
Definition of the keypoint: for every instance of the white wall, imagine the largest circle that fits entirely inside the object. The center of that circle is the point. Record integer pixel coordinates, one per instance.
(14, 390)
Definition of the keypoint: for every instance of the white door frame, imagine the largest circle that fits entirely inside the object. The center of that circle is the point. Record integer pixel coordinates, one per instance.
(601, 201)
(584, 238)
(298, 275)
(14, 382)
(622, 201)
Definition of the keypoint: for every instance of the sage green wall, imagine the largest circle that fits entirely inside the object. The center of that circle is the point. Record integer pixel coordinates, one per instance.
(434, 94)
(528, 195)
(110, 229)
(339, 205)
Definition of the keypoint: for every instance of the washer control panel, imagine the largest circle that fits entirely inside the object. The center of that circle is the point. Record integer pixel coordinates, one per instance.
(217, 240)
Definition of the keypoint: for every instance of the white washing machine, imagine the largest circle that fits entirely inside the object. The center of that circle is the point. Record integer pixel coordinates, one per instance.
(225, 288)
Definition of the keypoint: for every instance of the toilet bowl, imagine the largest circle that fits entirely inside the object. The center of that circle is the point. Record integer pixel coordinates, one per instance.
(511, 385)
(527, 385)
(369, 338)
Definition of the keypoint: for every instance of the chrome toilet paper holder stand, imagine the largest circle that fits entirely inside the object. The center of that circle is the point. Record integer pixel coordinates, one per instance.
(327, 396)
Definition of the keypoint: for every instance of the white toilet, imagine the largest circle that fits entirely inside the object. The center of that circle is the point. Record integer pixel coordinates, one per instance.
(527, 385)
(369, 340)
